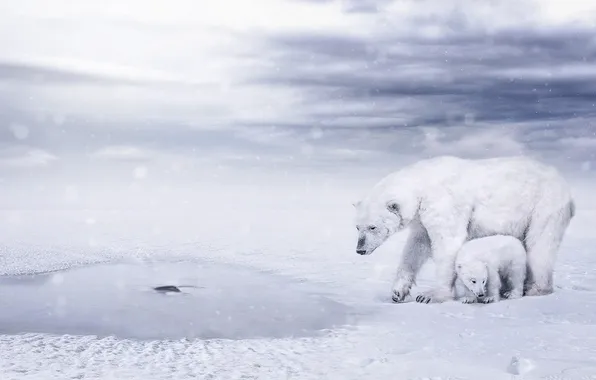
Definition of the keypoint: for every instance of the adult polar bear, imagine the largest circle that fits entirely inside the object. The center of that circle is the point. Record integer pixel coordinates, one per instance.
(446, 201)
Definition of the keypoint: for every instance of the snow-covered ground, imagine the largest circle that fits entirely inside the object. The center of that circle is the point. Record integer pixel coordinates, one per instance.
(278, 290)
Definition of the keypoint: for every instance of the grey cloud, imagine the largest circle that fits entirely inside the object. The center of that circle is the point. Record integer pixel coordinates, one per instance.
(364, 6)
(468, 72)
(12, 72)
(39, 74)
(354, 6)
(379, 94)
(361, 95)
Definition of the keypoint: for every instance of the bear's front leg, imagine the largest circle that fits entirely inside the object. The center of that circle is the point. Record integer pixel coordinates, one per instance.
(493, 287)
(416, 252)
(444, 252)
(462, 292)
(445, 270)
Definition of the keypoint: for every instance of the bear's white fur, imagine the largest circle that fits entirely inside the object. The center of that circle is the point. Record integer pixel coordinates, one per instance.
(486, 272)
(446, 201)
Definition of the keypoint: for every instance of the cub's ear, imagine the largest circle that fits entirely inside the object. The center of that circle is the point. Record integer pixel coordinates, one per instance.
(356, 204)
(393, 207)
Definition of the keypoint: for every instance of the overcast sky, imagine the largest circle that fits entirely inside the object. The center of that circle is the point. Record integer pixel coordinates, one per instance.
(353, 81)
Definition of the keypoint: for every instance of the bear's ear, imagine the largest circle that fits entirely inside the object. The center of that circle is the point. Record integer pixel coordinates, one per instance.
(393, 207)
(356, 204)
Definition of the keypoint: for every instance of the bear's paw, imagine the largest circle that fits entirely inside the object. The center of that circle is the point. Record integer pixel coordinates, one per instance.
(433, 296)
(468, 300)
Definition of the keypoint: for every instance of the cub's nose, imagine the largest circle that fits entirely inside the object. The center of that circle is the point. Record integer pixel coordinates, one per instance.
(481, 294)
(361, 251)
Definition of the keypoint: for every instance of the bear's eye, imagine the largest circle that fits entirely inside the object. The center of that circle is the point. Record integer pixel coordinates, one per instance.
(473, 281)
(372, 228)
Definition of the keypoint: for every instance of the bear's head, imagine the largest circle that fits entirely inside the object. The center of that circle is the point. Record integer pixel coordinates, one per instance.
(377, 221)
(474, 275)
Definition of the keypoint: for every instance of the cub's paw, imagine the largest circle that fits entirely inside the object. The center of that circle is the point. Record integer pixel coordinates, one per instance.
(468, 299)
(489, 299)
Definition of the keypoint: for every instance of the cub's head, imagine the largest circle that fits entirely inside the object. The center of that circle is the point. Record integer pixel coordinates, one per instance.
(474, 275)
(376, 223)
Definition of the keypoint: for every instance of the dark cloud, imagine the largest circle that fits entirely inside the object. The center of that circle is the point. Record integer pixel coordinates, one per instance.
(514, 76)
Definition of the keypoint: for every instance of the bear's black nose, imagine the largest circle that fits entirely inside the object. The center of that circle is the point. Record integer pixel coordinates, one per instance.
(361, 251)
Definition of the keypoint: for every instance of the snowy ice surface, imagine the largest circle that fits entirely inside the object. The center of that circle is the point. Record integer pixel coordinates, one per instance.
(281, 243)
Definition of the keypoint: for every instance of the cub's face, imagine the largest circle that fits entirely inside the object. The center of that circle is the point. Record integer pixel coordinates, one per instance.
(474, 276)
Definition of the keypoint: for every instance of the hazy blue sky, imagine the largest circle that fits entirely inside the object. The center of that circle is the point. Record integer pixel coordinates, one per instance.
(288, 80)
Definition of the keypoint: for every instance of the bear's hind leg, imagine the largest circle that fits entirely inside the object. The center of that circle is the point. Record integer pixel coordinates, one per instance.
(542, 243)
(515, 279)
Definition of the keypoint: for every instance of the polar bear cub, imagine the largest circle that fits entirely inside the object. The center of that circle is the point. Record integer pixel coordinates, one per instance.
(485, 274)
